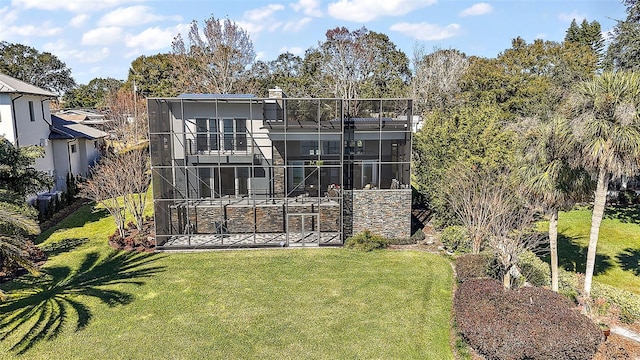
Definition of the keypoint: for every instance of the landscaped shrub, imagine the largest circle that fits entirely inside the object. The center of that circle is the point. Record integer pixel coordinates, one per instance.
(400, 241)
(535, 271)
(456, 239)
(473, 266)
(626, 303)
(366, 241)
(418, 236)
(527, 323)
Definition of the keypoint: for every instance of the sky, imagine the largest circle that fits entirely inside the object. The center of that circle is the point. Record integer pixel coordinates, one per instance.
(100, 38)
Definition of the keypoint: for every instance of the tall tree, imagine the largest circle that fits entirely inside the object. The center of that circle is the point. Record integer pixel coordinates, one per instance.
(435, 82)
(587, 34)
(549, 176)
(44, 69)
(153, 75)
(95, 94)
(624, 51)
(215, 63)
(359, 63)
(606, 122)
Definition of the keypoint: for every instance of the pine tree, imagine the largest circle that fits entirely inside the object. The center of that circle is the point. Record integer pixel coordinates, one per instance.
(624, 51)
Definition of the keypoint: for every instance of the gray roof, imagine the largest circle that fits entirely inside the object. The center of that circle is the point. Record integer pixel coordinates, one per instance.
(12, 85)
(216, 96)
(65, 129)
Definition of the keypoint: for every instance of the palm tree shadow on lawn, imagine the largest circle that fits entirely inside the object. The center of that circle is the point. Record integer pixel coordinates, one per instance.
(573, 257)
(39, 307)
(626, 214)
(85, 215)
(629, 260)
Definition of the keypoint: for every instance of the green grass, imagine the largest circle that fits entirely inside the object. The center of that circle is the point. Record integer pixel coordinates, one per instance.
(94, 303)
(618, 252)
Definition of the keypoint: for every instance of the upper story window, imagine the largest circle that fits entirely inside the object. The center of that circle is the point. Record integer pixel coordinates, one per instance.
(74, 148)
(221, 134)
(32, 115)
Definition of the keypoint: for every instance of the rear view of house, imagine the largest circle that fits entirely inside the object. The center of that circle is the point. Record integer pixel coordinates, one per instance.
(236, 170)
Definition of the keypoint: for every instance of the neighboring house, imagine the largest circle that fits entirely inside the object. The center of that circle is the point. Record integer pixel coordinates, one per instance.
(25, 119)
(82, 145)
(88, 117)
(236, 170)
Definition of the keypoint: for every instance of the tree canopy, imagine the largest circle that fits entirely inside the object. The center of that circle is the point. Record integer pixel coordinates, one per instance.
(41, 69)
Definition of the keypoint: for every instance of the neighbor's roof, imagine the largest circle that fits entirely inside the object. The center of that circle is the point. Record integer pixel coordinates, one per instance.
(216, 96)
(66, 129)
(12, 85)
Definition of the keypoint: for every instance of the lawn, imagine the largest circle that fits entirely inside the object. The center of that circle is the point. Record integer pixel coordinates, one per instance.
(93, 303)
(618, 252)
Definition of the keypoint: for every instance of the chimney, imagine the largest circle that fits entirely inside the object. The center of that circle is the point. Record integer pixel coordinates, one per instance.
(276, 93)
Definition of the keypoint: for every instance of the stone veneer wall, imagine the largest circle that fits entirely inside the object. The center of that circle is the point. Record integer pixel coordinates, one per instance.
(384, 212)
(239, 219)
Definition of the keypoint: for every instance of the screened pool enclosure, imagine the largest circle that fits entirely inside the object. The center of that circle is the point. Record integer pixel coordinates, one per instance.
(236, 170)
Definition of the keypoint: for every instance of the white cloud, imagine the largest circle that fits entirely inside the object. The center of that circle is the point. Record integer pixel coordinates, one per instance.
(540, 36)
(9, 17)
(367, 10)
(154, 38)
(477, 9)
(102, 36)
(258, 20)
(65, 52)
(260, 55)
(295, 50)
(308, 7)
(570, 16)
(77, 6)
(263, 13)
(425, 31)
(296, 25)
(31, 30)
(79, 20)
(133, 15)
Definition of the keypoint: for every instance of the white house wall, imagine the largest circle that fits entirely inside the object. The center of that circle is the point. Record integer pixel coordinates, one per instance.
(6, 118)
(35, 132)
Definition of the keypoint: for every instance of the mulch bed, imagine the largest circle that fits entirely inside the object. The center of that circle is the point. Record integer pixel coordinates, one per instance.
(135, 240)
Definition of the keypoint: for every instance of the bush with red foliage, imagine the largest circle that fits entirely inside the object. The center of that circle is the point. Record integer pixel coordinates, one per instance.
(526, 323)
(135, 239)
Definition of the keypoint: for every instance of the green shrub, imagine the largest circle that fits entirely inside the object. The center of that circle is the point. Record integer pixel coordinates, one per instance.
(418, 236)
(366, 241)
(401, 241)
(456, 239)
(626, 302)
(473, 266)
(534, 270)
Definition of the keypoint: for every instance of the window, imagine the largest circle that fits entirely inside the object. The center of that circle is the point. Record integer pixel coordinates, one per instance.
(73, 148)
(32, 116)
(95, 144)
(331, 147)
(308, 147)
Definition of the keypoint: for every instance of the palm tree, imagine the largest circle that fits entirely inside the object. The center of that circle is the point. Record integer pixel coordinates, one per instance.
(607, 127)
(14, 224)
(549, 177)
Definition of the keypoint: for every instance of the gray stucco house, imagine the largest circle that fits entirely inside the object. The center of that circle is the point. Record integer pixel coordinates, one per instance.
(242, 171)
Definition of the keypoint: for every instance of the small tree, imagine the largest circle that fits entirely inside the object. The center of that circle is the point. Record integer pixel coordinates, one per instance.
(119, 183)
(136, 167)
(107, 186)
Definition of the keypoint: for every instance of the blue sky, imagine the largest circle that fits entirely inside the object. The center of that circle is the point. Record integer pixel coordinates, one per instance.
(100, 38)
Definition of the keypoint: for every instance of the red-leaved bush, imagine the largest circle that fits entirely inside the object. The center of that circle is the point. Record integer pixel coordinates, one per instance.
(526, 323)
